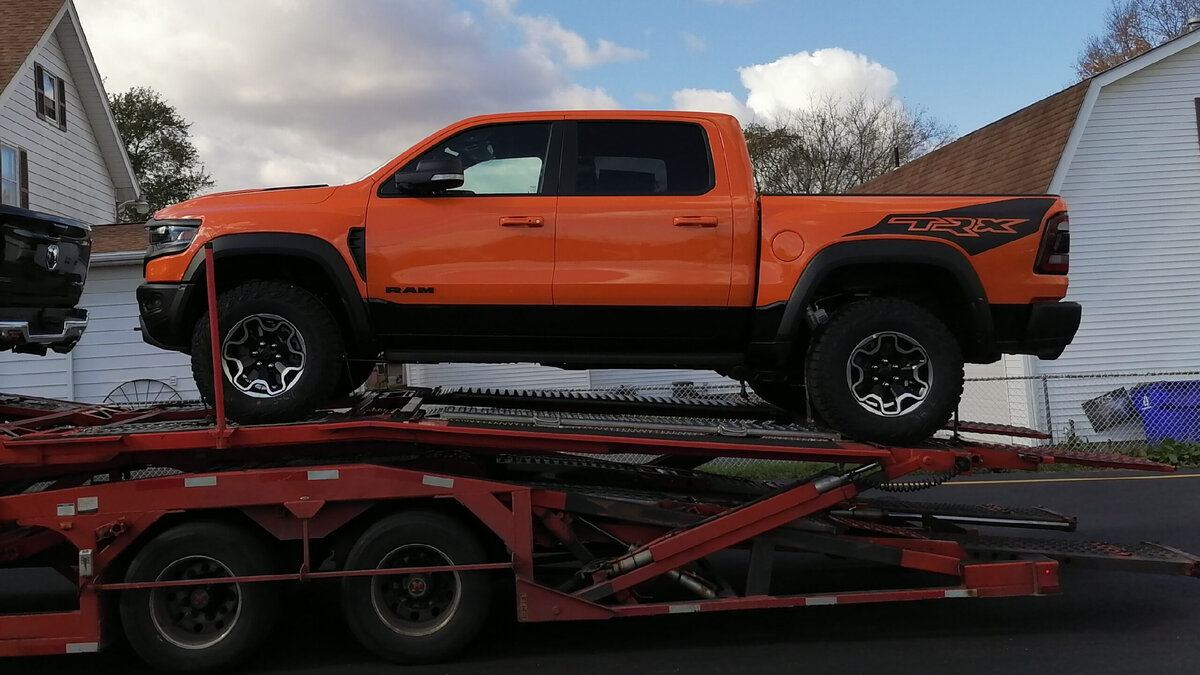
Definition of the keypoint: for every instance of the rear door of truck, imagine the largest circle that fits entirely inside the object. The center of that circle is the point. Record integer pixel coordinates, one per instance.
(644, 241)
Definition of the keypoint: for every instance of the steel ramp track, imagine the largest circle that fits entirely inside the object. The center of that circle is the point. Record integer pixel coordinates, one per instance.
(1143, 557)
(611, 402)
(961, 514)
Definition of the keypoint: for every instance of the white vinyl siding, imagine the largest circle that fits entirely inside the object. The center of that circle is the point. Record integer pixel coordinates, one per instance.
(494, 375)
(111, 352)
(1133, 190)
(67, 173)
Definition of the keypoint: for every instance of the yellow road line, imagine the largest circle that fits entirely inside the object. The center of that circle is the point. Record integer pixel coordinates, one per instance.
(1095, 479)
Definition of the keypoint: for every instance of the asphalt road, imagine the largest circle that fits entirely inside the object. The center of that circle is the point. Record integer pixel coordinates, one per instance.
(1104, 622)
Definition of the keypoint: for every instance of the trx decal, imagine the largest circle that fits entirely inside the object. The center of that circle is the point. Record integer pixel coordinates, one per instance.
(959, 227)
(975, 229)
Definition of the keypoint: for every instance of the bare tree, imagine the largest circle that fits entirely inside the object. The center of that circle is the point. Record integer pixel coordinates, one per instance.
(838, 143)
(1133, 27)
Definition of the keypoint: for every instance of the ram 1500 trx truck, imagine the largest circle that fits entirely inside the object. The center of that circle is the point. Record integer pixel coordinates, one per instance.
(43, 264)
(610, 239)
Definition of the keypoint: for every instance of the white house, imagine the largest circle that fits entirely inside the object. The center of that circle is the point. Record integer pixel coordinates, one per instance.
(60, 152)
(1123, 149)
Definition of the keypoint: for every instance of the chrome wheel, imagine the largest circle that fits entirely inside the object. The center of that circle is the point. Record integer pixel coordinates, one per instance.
(889, 374)
(263, 355)
(199, 616)
(416, 604)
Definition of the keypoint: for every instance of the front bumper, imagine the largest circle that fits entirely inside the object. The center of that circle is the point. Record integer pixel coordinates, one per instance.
(163, 310)
(29, 330)
(1041, 329)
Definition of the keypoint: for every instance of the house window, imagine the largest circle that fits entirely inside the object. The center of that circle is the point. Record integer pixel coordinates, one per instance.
(14, 177)
(50, 96)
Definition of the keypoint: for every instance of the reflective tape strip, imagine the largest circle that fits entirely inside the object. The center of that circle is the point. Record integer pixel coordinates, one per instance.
(328, 474)
(88, 504)
(65, 510)
(684, 609)
(813, 602)
(83, 647)
(200, 481)
(438, 481)
(961, 593)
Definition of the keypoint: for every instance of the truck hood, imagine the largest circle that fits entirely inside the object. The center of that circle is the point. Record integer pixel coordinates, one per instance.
(237, 199)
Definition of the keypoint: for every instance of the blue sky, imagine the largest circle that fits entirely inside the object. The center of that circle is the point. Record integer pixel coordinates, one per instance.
(282, 92)
(966, 62)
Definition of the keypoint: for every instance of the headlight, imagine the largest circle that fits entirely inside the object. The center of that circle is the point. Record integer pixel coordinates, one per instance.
(170, 236)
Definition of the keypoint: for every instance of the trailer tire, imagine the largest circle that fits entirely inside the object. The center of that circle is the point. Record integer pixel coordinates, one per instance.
(417, 618)
(885, 370)
(207, 627)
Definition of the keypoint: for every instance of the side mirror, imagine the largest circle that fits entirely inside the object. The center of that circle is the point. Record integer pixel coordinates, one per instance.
(432, 174)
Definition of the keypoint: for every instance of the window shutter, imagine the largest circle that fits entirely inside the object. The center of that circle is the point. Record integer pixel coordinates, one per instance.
(39, 97)
(62, 103)
(23, 178)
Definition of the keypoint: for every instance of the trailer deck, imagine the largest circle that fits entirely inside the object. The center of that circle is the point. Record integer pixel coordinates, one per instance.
(591, 506)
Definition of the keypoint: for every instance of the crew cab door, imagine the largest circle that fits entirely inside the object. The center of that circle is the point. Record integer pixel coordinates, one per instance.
(452, 269)
(645, 232)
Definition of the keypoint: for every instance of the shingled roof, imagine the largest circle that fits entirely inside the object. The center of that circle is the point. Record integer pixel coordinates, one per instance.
(120, 238)
(23, 24)
(1014, 155)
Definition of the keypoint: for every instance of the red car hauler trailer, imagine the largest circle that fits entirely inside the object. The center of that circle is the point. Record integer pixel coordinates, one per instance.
(178, 530)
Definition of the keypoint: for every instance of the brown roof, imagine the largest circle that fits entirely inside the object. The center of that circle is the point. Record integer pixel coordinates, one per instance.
(118, 238)
(1015, 155)
(22, 24)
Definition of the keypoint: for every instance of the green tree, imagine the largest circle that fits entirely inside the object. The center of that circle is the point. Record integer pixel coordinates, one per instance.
(838, 143)
(160, 148)
(1132, 27)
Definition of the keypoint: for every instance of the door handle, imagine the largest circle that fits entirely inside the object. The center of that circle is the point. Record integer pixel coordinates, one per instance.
(521, 221)
(695, 221)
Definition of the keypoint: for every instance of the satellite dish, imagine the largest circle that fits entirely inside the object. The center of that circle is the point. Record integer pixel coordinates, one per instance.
(143, 391)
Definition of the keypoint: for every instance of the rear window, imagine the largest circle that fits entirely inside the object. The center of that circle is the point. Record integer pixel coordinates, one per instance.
(641, 158)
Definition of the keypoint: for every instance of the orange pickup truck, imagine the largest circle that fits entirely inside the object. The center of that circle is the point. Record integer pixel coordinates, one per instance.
(592, 239)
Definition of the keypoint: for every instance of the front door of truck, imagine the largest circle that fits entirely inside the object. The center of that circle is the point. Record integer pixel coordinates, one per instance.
(645, 236)
(470, 267)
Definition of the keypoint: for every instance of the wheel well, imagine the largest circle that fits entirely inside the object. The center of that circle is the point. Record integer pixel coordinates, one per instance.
(303, 272)
(932, 287)
(115, 572)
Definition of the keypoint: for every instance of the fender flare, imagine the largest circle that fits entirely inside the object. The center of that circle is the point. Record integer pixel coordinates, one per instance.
(925, 253)
(307, 247)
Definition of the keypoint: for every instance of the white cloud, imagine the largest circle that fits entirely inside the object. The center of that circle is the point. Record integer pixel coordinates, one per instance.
(645, 97)
(298, 102)
(547, 37)
(711, 100)
(694, 42)
(796, 81)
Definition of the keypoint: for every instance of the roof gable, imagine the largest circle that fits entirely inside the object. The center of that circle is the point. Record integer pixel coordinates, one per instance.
(1020, 154)
(29, 24)
(1015, 155)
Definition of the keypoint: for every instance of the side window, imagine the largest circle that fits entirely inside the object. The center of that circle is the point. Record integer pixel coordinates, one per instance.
(642, 158)
(500, 159)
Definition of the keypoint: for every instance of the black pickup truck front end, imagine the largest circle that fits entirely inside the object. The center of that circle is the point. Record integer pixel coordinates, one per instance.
(43, 266)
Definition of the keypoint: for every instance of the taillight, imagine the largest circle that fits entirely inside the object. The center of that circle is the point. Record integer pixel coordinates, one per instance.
(1054, 256)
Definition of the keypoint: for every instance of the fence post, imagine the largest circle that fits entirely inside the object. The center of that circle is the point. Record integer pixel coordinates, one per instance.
(1046, 403)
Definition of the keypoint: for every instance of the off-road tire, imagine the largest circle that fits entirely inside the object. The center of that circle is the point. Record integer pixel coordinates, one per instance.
(829, 382)
(325, 358)
(146, 620)
(365, 608)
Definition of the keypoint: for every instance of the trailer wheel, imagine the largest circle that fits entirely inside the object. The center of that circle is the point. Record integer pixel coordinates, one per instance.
(423, 617)
(208, 626)
(282, 354)
(885, 370)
